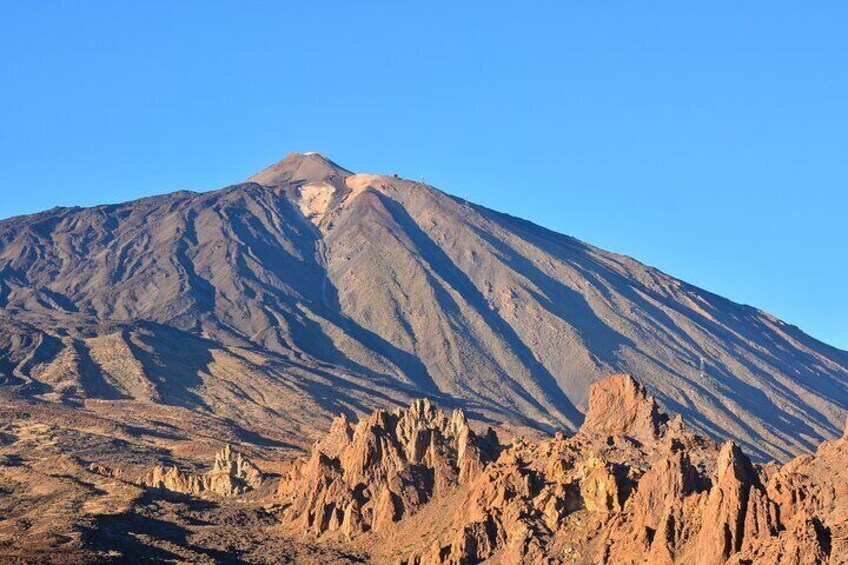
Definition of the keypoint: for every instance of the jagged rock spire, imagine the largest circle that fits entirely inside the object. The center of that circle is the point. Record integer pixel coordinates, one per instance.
(365, 477)
(620, 405)
(232, 474)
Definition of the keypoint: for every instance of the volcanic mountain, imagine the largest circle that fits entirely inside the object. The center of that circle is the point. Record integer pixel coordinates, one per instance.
(258, 312)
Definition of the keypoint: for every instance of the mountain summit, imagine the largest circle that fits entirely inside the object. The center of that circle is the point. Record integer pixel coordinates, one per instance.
(309, 290)
(299, 167)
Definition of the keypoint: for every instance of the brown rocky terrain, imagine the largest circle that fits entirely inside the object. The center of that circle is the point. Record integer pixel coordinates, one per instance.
(139, 340)
(632, 486)
(419, 485)
(231, 475)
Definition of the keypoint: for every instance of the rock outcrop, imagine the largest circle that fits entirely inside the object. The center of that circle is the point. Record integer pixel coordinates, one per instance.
(232, 474)
(631, 487)
(365, 477)
(620, 406)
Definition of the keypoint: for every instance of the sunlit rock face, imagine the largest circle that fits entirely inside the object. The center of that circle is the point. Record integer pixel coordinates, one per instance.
(632, 486)
(231, 474)
(365, 477)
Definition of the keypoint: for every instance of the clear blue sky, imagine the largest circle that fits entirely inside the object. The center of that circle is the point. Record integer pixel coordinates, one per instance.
(708, 141)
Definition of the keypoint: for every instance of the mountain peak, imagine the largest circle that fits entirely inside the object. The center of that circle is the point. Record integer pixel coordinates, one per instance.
(309, 166)
(398, 291)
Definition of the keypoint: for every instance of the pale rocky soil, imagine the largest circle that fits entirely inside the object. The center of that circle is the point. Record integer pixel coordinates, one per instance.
(70, 493)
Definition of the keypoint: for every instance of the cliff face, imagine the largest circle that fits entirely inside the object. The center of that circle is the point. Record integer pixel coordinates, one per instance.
(633, 486)
(341, 292)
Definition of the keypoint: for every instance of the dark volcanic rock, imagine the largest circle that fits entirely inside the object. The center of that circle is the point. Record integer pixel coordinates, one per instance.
(362, 291)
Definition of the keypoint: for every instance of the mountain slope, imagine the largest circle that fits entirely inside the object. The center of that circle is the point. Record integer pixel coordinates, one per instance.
(391, 289)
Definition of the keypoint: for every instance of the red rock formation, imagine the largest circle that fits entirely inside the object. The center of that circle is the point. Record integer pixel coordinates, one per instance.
(620, 406)
(631, 487)
(365, 478)
(232, 474)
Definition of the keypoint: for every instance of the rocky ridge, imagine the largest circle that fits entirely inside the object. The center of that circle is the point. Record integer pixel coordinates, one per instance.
(231, 474)
(632, 486)
(365, 477)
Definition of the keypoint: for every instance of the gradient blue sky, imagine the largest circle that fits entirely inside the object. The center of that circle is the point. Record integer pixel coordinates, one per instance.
(707, 141)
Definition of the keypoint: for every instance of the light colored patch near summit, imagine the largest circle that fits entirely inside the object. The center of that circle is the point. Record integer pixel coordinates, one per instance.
(359, 182)
(313, 200)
